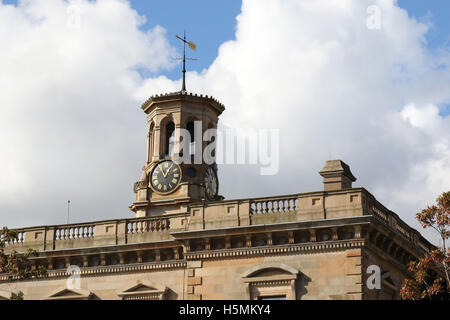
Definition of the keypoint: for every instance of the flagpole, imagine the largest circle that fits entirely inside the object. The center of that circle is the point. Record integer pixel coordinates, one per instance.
(68, 210)
(183, 88)
(193, 47)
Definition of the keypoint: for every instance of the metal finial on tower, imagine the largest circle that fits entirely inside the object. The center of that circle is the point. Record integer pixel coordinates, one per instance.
(191, 45)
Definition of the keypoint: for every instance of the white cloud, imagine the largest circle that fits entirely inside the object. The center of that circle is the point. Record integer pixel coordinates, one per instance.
(69, 121)
(426, 118)
(311, 68)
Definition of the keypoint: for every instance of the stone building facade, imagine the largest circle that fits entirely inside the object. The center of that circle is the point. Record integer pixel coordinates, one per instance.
(186, 242)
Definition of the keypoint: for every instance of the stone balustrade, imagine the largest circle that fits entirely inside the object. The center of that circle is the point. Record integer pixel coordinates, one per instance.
(78, 231)
(274, 205)
(144, 225)
(394, 222)
(214, 215)
(110, 232)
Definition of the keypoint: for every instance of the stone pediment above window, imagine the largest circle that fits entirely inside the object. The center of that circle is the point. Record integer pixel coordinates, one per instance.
(388, 281)
(5, 295)
(70, 294)
(143, 291)
(271, 280)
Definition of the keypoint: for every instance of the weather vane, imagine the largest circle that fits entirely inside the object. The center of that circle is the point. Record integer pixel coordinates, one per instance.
(191, 45)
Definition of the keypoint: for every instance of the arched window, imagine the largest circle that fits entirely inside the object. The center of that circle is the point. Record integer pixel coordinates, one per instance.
(211, 126)
(151, 143)
(170, 138)
(190, 128)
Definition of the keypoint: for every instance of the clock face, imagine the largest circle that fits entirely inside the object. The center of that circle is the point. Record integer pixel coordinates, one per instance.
(211, 183)
(165, 177)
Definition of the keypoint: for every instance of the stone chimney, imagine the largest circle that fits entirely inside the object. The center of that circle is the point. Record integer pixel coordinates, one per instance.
(336, 175)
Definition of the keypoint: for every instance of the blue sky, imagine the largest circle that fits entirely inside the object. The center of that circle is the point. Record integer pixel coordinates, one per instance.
(207, 23)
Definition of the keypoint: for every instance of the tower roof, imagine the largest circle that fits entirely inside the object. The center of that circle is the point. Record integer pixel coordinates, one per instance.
(182, 95)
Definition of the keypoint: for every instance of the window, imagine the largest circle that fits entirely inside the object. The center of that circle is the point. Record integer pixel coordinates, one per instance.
(271, 281)
(170, 138)
(190, 128)
(272, 298)
(5, 295)
(71, 294)
(144, 291)
(389, 290)
(151, 143)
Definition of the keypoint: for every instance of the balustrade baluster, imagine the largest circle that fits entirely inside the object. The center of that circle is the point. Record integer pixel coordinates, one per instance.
(158, 225)
(147, 223)
(132, 227)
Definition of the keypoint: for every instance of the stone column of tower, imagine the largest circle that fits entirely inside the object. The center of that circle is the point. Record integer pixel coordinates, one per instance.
(168, 181)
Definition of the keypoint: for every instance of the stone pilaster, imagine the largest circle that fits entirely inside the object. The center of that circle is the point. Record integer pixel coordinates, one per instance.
(193, 281)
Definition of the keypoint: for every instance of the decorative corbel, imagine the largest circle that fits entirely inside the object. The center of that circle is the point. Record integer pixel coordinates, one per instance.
(248, 240)
(334, 234)
(312, 235)
(269, 238)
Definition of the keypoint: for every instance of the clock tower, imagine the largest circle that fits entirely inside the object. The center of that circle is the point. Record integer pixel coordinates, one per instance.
(176, 171)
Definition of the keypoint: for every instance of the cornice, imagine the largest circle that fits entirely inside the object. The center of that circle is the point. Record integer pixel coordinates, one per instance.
(95, 271)
(271, 227)
(285, 249)
(182, 95)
